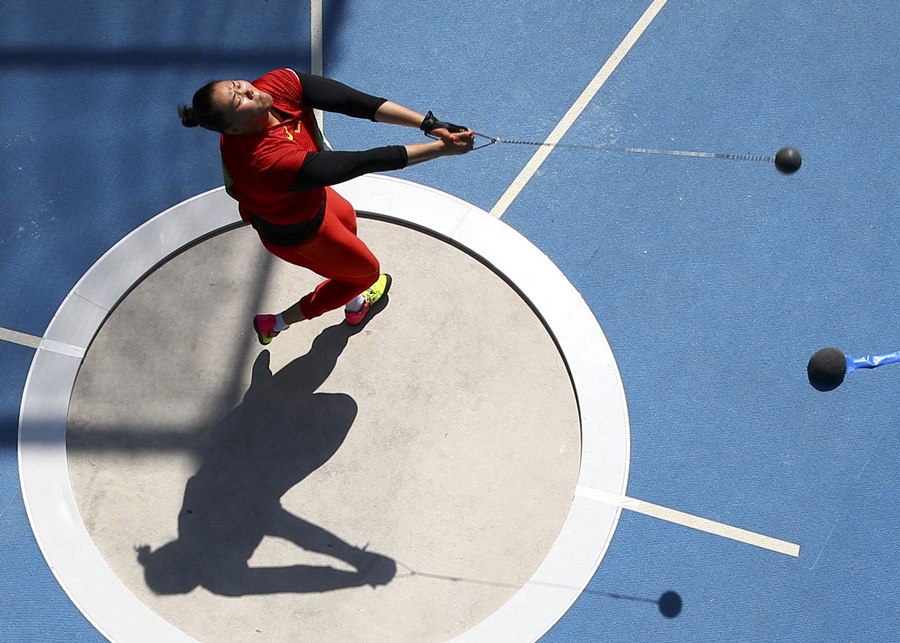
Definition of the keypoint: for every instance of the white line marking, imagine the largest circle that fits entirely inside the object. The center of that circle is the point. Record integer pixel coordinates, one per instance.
(16, 337)
(316, 62)
(825, 544)
(688, 520)
(62, 349)
(575, 111)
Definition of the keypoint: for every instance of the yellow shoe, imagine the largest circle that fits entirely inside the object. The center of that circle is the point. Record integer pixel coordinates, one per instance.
(375, 292)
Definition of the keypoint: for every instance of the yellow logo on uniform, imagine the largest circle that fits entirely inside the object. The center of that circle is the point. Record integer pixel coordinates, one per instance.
(289, 133)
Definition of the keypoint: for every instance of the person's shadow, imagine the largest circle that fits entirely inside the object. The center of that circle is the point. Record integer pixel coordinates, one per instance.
(280, 433)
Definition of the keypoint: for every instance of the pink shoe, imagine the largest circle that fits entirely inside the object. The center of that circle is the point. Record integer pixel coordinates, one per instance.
(264, 325)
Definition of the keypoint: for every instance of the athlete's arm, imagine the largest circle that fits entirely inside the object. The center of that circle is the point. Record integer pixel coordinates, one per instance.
(328, 168)
(333, 96)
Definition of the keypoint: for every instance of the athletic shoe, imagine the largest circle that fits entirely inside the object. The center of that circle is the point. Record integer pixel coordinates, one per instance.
(264, 325)
(375, 292)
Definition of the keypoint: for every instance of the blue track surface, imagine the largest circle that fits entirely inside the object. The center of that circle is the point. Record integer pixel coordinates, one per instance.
(714, 280)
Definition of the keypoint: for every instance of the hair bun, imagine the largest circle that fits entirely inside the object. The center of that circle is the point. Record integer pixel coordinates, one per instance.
(188, 117)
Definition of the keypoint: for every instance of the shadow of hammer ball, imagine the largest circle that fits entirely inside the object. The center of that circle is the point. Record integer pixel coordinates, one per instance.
(826, 369)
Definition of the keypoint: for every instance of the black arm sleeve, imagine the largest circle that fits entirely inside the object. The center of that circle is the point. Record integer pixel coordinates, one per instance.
(330, 95)
(327, 168)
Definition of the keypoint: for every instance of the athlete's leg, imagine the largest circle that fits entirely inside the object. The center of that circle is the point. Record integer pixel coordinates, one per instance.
(337, 254)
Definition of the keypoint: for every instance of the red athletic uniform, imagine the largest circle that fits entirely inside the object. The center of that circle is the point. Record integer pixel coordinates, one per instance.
(280, 178)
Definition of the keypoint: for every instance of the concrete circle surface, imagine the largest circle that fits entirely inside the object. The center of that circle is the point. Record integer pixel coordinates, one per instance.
(415, 478)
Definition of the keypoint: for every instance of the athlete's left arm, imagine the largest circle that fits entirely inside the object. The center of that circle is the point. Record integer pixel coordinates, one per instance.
(333, 96)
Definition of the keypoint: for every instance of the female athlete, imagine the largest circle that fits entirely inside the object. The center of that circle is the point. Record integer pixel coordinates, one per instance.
(278, 170)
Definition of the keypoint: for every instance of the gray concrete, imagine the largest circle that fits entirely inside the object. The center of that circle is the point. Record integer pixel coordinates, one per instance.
(443, 436)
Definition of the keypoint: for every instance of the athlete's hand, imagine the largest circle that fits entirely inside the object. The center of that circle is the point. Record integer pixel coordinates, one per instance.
(455, 142)
(456, 138)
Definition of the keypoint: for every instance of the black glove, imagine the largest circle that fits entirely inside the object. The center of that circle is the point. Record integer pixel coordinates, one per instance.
(431, 123)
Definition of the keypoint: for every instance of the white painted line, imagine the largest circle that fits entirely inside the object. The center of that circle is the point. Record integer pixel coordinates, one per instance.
(316, 55)
(719, 529)
(575, 111)
(688, 520)
(16, 337)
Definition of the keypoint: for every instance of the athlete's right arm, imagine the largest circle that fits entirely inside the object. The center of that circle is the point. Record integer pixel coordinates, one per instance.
(421, 152)
(329, 168)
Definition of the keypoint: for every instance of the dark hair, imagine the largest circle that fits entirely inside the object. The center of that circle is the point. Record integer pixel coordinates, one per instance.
(203, 112)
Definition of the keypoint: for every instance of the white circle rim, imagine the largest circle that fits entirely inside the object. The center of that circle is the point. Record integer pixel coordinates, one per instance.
(605, 441)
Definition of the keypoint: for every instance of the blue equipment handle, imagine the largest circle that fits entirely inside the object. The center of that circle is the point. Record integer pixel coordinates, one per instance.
(871, 361)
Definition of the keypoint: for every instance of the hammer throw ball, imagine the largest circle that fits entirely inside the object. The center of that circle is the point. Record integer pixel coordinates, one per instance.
(788, 160)
(826, 369)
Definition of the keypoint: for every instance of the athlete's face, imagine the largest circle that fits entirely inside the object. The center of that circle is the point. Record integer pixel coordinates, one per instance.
(246, 108)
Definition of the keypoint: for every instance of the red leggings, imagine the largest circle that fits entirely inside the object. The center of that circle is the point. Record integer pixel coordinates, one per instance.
(336, 253)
